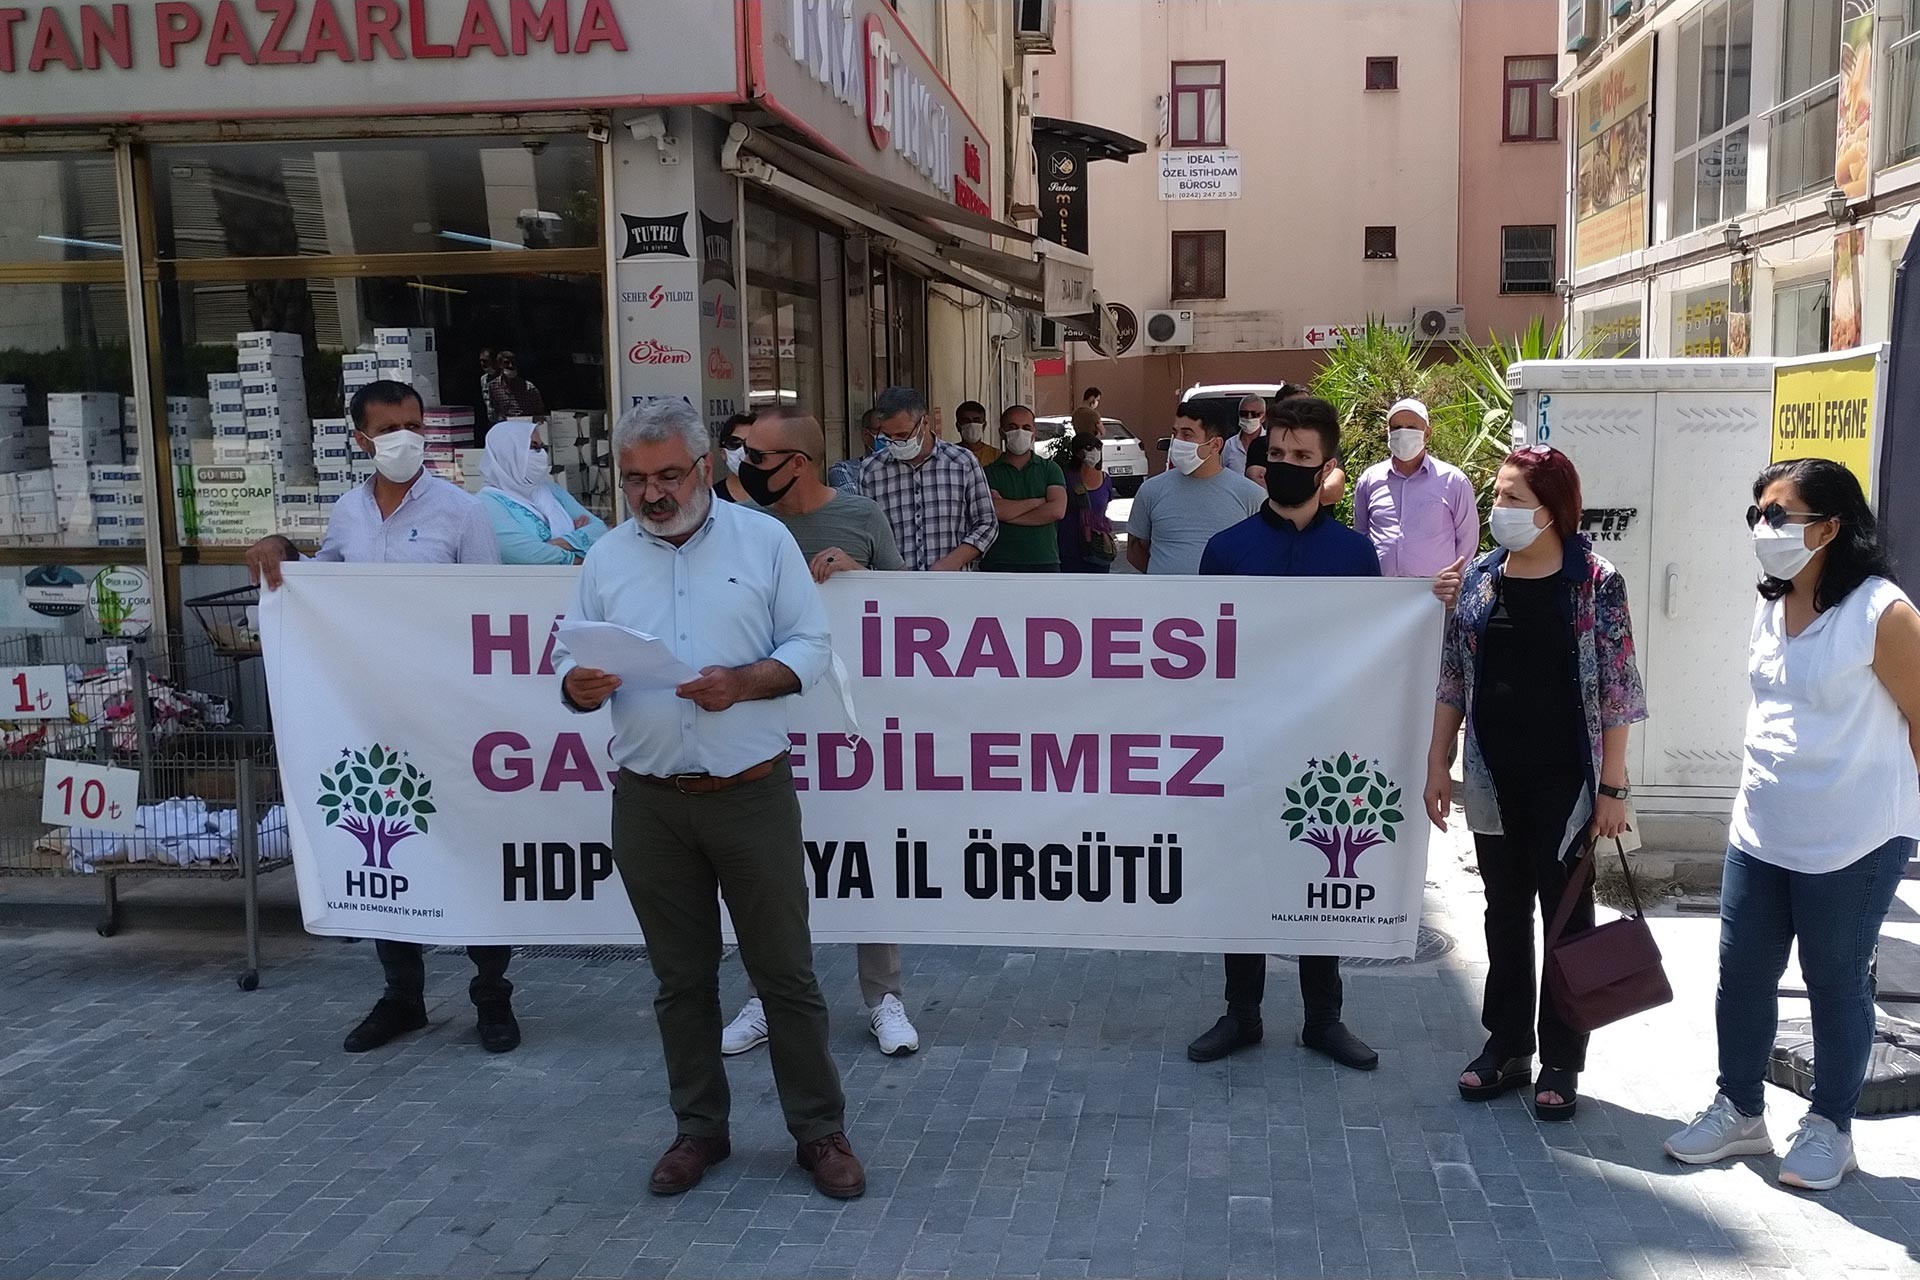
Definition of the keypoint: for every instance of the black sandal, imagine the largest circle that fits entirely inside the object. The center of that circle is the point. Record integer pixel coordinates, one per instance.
(1563, 1082)
(1514, 1073)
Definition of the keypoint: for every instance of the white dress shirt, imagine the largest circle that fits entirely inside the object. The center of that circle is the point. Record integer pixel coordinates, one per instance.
(436, 523)
(735, 593)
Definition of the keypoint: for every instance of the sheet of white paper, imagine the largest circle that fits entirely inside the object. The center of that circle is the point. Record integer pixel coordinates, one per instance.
(640, 660)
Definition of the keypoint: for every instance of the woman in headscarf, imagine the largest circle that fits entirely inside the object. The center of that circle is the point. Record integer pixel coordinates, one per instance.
(535, 520)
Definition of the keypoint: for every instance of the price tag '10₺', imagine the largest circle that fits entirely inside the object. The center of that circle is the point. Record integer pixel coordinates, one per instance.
(89, 795)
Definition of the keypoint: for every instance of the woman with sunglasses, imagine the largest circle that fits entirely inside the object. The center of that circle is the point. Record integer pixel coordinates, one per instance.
(1825, 822)
(1538, 662)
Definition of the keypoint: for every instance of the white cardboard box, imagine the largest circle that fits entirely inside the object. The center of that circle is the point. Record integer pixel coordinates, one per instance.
(93, 409)
(13, 395)
(269, 341)
(415, 340)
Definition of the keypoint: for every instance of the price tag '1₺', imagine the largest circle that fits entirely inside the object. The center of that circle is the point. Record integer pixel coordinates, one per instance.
(33, 693)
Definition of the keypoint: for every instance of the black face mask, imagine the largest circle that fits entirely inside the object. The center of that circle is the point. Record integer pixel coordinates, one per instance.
(1290, 485)
(755, 481)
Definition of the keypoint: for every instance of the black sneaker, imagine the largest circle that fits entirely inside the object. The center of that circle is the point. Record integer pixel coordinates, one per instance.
(1227, 1035)
(390, 1019)
(499, 1029)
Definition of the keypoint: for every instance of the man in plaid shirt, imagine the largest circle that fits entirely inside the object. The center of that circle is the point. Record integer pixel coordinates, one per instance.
(934, 493)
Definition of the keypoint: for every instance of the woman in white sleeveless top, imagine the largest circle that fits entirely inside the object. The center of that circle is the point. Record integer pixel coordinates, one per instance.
(1825, 822)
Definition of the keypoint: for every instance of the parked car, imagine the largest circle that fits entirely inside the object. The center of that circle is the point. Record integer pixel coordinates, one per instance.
(1232, 393)
(1122, 455)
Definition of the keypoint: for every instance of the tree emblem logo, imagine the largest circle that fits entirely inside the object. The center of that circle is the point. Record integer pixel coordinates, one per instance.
(378, 797)
(1344, 806)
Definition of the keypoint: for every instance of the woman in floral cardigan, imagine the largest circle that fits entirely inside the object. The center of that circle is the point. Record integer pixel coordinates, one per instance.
(1539, 664)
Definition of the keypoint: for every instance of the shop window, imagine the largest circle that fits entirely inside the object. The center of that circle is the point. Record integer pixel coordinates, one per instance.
(1800, 148)
(1526, 259)
(1381, 243)
(66, 365)
(1199, 108)
(1800, 318)
(1532, 115)
(292, 199)
(786, 333)
(1383, 74)
(1612, 332)
(1700, 322)
(470, 267)
(1199, 265)
(1715, 90)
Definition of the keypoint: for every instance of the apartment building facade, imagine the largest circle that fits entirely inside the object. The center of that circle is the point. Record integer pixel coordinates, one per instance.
(1309, 165)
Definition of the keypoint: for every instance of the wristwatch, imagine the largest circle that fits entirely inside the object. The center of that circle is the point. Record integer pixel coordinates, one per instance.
(1617, 793)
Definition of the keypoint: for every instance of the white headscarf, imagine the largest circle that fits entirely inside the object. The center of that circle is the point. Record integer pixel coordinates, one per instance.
(509, 471)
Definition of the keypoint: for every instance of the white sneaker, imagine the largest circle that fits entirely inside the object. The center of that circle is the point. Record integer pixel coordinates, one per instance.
(748, 1030)
(1718, 1132)
(1819, 1157)
(892, 1029)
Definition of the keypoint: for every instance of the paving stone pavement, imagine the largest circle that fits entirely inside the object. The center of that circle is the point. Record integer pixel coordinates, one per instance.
(155, 1121)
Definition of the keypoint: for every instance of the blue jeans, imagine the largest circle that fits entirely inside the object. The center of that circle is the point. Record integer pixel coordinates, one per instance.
(1836, 918)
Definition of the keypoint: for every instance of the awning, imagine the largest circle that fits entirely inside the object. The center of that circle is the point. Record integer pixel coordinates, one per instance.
(920, 227)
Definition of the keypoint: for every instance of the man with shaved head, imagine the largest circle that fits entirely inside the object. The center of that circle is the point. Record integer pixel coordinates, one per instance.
(836, 531)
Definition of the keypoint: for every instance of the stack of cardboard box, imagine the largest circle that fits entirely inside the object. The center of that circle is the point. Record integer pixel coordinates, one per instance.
(189, 418)
(84, 431)
(22, 447)
(410, 356)
(273, 385)
(228, 409)
(29, 509)
(449, 430)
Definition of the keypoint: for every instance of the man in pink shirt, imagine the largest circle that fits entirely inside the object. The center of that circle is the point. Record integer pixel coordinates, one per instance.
(1420, 512)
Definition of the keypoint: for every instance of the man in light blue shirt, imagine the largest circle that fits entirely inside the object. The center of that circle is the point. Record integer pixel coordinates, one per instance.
(405, 516)
(705, 798)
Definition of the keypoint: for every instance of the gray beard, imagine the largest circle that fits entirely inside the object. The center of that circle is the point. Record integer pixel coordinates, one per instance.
(686, 520)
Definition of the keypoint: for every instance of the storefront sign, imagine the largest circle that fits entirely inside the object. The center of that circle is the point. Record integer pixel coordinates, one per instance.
(1207, 174)
(655, 237)
(716, 249)
(1851, 157)
(208, 59)
(1610, 118)
(1126, 331)
(55, 590)
(1063, 198)
(653, 351)
(848, 72)
(1609, 332)
(1843, 318)
(1176, 807)
(1066, 287)
(1325, 337)
(226, 506)
(1827, 407)
(719, 367)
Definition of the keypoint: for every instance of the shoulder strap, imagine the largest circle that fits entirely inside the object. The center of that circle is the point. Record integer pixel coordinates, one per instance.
(1577, 877)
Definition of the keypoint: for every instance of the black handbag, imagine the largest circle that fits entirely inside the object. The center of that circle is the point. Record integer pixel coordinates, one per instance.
(1609, 972)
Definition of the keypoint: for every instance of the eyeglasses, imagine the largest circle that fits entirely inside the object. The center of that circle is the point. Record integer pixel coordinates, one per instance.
(1777, 516)
(758, 457)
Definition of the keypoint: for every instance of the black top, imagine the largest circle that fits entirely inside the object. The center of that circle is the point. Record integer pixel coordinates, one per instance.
(1527, 711)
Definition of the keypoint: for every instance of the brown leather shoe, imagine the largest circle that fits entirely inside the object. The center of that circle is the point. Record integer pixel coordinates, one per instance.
(836, 1170)
(686, 1162)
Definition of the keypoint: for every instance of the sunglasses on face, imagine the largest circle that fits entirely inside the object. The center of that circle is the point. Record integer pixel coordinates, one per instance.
(1778, 517)
(762, 457)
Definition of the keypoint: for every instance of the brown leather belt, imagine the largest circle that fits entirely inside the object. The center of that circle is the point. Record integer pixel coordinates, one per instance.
(706, 784)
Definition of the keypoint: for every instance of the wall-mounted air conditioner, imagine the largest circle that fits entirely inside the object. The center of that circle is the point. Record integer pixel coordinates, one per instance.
(1168, 328)
(1444, 323)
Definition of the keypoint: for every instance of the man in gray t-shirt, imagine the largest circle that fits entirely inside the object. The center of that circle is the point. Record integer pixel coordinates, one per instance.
(836, 531)
(1177, 511)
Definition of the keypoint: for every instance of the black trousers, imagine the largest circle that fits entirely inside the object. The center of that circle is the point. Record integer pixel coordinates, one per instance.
(1518, 869)
(1320, 988)
(406, 967)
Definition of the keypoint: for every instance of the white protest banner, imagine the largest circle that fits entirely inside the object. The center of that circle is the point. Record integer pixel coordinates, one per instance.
(1166, 764)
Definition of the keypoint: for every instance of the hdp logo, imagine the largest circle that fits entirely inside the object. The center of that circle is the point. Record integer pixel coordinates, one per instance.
(1344, 806)
(378, 797)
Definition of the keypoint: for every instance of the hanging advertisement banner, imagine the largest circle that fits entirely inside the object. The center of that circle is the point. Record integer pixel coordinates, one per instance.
(1828, 406)
(1740, 308)
(1610, 118)
(1846, 303)
(1038, 764)
(1852, 167)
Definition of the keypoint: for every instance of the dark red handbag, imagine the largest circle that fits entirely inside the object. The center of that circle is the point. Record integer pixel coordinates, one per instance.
(1609, 972)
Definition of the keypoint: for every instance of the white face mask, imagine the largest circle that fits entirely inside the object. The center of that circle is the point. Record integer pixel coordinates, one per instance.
(1019, 441)
(973, 432)
(1513, 527)
(1184, 456)
(538, 467)
(734, 458)
(1406, 443)
(397, 455)
(905, 450)
(1782, 552)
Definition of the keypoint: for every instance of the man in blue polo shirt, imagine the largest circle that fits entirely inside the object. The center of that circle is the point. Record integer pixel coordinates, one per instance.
(1293, 536)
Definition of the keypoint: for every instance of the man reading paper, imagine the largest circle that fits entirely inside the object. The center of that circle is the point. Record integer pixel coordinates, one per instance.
(705, 797)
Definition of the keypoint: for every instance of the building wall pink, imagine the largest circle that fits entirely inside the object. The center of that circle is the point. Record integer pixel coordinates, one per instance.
(1505, 183)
